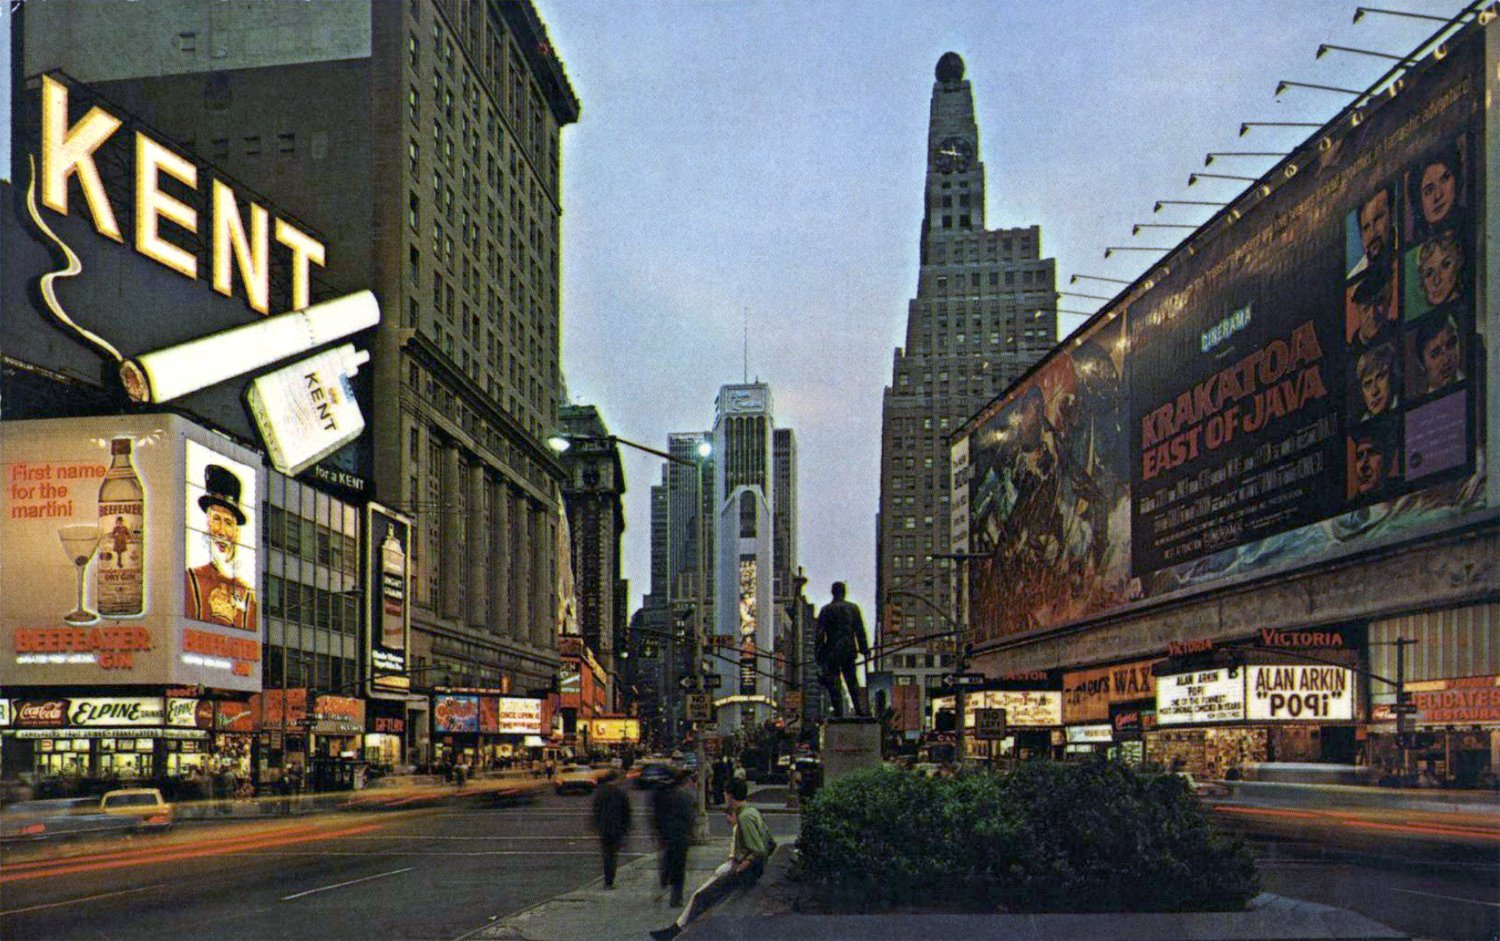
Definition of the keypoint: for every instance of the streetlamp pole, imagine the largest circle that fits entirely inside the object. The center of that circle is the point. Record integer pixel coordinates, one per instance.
(700, 800)
(960, 641)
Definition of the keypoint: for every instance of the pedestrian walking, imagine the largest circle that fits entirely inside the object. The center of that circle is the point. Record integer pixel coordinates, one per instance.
(611, 821)
(672, 812)
(750, 847)
(720, 778)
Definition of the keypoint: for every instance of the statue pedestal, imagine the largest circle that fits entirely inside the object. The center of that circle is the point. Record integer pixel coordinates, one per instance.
(848, 744)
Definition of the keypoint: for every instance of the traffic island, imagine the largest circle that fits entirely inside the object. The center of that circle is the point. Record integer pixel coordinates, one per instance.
(781, 906)
(1267, 918)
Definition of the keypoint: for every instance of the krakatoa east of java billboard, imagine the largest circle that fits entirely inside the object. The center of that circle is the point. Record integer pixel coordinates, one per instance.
(1304, 380)
(130, 554)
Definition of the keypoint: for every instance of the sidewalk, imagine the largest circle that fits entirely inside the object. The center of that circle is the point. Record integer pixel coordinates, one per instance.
(631, 910)
(637, 904)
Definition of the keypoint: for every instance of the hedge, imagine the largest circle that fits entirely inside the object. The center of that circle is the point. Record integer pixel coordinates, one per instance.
(1048, 837)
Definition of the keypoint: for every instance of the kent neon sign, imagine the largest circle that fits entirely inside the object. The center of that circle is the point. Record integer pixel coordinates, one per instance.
(68, 152)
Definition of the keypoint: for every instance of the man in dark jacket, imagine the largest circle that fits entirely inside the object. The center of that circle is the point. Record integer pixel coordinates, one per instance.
(672, 809)
(841, 634)
(611, 821)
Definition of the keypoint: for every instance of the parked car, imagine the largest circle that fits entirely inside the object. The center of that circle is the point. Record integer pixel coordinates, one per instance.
(122, 811)
(575, 778)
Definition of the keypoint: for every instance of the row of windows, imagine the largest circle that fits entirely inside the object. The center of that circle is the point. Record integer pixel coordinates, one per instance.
(918, 661)
(976, 279)
(297, 603)
(967, 249)
(291, 669)
(314, 542)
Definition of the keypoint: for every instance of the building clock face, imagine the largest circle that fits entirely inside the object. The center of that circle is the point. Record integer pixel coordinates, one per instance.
(954, 155)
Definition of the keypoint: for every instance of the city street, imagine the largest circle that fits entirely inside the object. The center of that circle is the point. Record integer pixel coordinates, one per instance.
(436, 872)
(1430, 873)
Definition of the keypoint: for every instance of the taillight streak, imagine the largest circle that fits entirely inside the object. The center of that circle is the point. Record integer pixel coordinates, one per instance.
(43, 869)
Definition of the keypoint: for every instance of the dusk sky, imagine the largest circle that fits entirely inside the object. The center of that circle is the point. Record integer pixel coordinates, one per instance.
(765, 160)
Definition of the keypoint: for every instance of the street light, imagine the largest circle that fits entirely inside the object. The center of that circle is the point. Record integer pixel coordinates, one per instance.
(560, 443)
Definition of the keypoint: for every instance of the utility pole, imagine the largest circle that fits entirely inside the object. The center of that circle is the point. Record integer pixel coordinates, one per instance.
(1402, 707)
(960, 641)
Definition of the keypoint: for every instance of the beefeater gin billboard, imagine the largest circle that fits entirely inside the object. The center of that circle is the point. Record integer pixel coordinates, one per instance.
(130, 554)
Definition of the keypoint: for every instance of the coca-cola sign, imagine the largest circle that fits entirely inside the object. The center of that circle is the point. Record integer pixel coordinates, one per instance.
(42, 713)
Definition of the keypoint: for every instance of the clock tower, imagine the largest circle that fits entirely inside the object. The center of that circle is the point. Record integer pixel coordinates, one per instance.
(955, 175)
(984, 311)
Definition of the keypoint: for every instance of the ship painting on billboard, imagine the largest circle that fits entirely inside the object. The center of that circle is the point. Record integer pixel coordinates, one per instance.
(1050, 491)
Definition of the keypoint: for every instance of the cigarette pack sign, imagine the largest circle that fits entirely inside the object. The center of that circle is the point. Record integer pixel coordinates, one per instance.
(1299, 693)
(1200, 696)
(307, 410)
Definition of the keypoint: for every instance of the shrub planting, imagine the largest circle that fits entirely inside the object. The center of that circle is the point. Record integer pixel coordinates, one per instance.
(1048, 837)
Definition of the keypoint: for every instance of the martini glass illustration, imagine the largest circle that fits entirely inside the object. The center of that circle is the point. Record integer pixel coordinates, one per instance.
(80, 542)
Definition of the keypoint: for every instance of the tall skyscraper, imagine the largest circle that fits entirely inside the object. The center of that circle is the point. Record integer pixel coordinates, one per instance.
(593, 493)
(427, 135)
(984, 312)
(744, 551)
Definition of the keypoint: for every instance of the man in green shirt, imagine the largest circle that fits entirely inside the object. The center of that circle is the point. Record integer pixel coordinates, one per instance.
(750, 846)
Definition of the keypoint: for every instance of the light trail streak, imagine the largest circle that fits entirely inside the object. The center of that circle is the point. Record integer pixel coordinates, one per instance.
(67, 867)
(1359, 823)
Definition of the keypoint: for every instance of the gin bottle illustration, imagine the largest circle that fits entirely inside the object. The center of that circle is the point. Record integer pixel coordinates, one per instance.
(393, 593)
(121, 574)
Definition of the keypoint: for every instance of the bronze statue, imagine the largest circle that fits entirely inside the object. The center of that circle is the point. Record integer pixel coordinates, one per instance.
(841, 634)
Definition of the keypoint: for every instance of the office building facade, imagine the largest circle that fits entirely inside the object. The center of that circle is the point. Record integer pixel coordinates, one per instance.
(426, 138)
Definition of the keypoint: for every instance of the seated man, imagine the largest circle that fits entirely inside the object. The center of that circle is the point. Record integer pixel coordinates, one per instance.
(750, 846)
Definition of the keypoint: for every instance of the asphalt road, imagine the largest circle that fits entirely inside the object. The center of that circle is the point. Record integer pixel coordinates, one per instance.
(441, 871)
(1432, 876)
(434, 872)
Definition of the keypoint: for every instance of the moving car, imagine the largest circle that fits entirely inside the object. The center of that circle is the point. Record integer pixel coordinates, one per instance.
(123, 811)
(142, 806)
(1206, 790)
(579, 778)
(656, 774)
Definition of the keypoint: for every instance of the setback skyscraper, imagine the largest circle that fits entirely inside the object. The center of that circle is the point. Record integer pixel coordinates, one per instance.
(984, 312)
